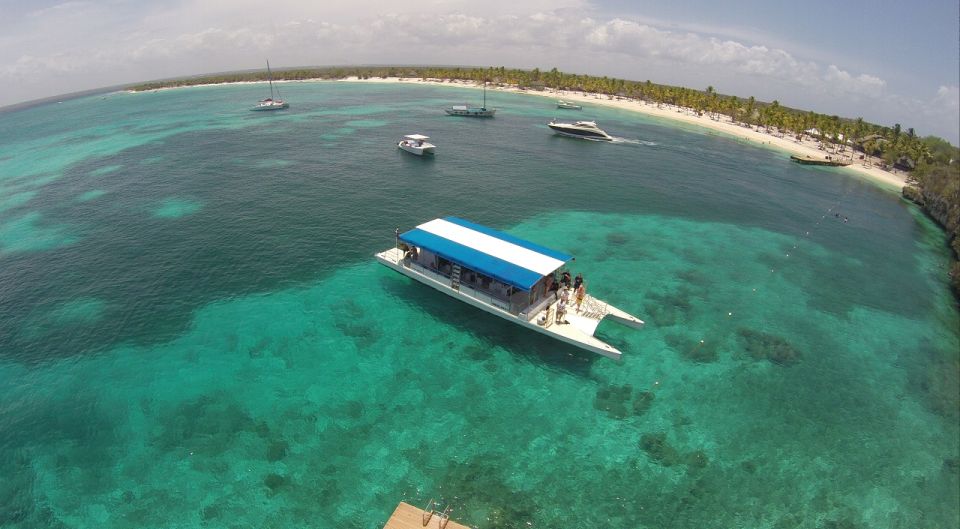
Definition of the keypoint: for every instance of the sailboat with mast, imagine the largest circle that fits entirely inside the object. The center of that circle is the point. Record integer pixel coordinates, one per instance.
(476, 112)
(271, 103)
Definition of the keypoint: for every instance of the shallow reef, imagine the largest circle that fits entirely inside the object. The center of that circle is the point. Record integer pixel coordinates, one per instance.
(622, 401)
(764, 346)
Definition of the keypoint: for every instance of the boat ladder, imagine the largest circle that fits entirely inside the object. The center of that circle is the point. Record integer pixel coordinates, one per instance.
(593, 308)
(455, 277)
(443, 517)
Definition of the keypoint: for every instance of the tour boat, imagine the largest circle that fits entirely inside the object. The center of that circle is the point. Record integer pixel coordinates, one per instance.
(581, 129)
(504, 275)
(417, 144)
(568, 105)
(476, 112)
(270, 103)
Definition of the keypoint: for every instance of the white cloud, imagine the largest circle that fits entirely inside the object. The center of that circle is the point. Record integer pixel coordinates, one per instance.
(948, 98)
(863, 84)
(193, 36)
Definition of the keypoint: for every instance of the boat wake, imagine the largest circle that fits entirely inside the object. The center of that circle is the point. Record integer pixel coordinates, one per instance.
(633, 141)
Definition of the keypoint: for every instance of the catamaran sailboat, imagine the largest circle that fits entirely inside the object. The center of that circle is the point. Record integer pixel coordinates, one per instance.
(476, 112)
(270, 103)
(505, 276)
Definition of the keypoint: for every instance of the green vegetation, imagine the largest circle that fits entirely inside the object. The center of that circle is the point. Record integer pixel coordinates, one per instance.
(932, 164)
(935, 186)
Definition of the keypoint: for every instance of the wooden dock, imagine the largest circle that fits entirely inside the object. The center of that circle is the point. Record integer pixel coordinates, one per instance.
(810, 160)
(407, 516)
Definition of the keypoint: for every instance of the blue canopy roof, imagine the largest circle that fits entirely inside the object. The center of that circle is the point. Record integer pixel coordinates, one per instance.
(506, 258)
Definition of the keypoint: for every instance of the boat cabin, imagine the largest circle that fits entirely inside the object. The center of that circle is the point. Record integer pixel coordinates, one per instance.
(507, 272)
(416, 139)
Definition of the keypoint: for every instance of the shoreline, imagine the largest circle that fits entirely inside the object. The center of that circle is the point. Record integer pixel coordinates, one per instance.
(808, 147)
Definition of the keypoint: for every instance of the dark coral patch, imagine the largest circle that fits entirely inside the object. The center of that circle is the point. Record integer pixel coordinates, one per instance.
(657, 448)
(617, 238)
(700, 352)
(622, 401)
(614, 400)
(770, 347)
(642, 402)
(696, 459)
(277, 451)
(274, 482)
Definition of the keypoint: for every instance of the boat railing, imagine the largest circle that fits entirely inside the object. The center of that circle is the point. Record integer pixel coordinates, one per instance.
(432, 274)
(535, 309)
(474, 293)
(593, 308)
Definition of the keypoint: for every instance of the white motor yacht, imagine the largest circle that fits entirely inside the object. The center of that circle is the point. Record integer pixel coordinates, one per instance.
(417, 144)
(568, 105)
(581, 129)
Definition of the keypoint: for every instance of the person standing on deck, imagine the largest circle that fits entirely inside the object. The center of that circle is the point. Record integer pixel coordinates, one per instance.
(581, 293)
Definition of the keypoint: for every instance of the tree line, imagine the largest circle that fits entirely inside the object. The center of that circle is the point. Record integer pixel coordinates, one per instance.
(932, 164)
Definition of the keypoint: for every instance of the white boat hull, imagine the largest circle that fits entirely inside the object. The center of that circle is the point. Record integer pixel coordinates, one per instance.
(471, 112)
(578, 333)
(419, 150)
(271, 106)
(582, 136)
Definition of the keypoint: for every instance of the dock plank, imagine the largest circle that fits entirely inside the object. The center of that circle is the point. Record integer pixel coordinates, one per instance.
(407, 516)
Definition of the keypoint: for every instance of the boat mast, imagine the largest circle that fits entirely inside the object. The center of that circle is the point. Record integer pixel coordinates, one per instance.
(484, 94)
(270, 79)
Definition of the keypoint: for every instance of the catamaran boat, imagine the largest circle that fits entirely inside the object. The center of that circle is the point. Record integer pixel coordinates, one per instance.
(475, 112)
(504, 275)
(581, 129)
(568, 105)
(271, 103)
(417, 144)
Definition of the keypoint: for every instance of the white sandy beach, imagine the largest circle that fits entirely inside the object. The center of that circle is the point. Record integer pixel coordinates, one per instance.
(809, 147)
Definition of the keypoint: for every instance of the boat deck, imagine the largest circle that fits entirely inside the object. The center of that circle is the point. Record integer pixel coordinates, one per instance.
(407, 516)
(577, 327)
(810, 160)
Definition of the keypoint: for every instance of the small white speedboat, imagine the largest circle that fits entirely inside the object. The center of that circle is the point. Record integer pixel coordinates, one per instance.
(568, 105)
(417, 144)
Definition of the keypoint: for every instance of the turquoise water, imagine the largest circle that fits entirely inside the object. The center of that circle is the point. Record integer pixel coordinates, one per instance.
(193, 332)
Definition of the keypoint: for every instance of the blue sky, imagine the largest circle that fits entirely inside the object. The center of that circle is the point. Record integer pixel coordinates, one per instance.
(888, 62)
